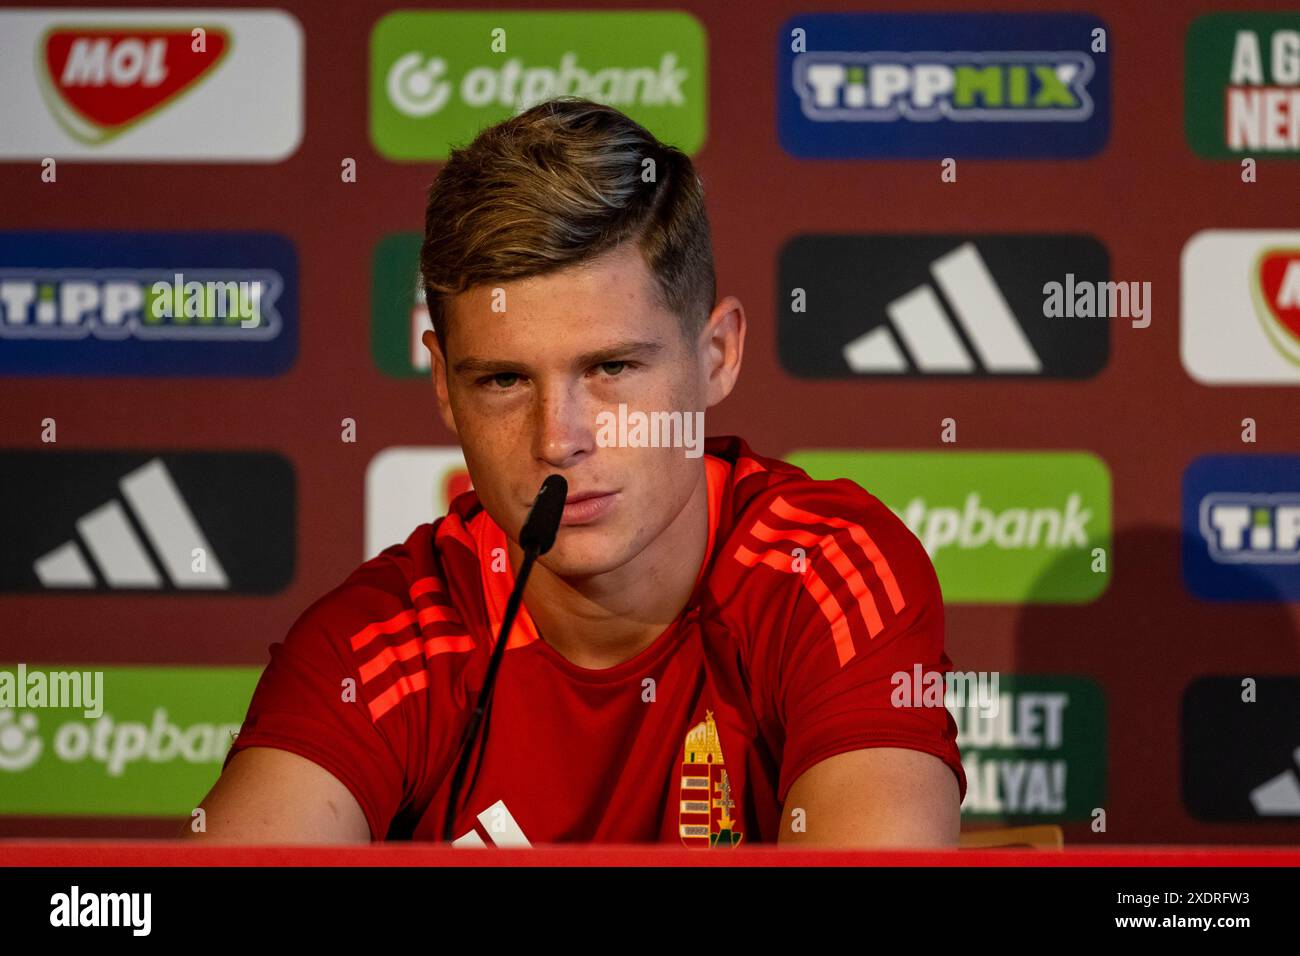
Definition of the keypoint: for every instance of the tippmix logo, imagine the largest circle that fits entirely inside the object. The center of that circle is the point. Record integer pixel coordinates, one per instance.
(142, 303)
(936, 85)
(1241, 527)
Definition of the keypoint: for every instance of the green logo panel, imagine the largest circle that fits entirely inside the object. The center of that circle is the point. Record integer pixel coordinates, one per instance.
(398, 313)
(155, 750)
(1000, 527)
(1039, 755)
(1242, 85)
(438, 78)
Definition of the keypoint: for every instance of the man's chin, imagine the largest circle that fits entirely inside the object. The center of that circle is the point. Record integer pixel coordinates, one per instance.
(582, 554)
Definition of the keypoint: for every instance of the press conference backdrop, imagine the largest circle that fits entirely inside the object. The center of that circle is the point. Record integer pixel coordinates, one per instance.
(1031, 278)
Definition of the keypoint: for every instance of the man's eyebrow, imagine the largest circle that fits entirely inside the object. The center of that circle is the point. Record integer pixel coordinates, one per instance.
(615, 352)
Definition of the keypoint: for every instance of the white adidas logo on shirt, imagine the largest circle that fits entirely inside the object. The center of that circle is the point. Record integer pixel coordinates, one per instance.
(500, 826)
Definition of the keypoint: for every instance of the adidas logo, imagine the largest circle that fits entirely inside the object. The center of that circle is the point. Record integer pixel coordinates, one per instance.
(932, 339)
(151, 543)
(1280, 795)
(500, 827)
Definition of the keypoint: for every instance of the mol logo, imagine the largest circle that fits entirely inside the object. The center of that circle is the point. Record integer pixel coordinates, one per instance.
(158, 85)
(100, 82)
(1256, 529)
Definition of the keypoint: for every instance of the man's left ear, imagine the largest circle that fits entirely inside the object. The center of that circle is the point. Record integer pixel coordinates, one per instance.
(722, 348)
(438, 373)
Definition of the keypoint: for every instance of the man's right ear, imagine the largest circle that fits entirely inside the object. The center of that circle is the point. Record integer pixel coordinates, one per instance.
(438, 370)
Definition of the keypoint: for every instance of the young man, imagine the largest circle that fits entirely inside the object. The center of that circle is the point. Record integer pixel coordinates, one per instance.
(706, 655)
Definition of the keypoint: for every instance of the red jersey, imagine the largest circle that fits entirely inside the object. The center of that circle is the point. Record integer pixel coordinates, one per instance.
(811, 597)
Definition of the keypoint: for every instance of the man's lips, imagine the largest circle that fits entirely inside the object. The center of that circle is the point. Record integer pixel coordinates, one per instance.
(587, 507)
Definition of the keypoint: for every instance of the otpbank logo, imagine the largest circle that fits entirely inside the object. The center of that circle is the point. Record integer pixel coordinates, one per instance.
(1241, 527)
(157, 746)
(150, 85)
(437, 78)
(922, 86)
(147, 303)
(1000, 527)
(1243, 85)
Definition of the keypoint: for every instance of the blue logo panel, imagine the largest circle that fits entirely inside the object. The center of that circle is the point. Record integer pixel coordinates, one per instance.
(1241, 527)
(147, 303)
(907, 86)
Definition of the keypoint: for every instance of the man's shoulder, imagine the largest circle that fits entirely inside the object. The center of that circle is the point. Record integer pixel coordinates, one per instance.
(772, 502)
(828, 544)
(388, 598)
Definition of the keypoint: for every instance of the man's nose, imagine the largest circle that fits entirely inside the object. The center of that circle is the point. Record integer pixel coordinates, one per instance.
(562, 431)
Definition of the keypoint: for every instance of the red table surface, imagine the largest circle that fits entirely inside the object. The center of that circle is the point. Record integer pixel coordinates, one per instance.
(74, 853)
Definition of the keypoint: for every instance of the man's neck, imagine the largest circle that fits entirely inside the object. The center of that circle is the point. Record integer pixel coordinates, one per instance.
(602, 621)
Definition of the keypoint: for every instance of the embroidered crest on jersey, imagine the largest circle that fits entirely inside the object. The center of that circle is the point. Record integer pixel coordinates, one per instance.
(706, 798)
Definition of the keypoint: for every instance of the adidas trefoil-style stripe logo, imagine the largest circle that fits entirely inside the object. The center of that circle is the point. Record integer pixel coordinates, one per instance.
(1280, 795)
(500, 826)
(928, 333)
(187, 560)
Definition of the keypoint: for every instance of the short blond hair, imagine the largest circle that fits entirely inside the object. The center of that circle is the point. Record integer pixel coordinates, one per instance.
(557, 185)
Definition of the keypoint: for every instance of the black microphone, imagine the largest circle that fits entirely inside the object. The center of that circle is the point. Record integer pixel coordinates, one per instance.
(536, 538)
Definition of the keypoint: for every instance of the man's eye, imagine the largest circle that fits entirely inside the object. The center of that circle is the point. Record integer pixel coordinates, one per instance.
(500, 381)
(612, 369)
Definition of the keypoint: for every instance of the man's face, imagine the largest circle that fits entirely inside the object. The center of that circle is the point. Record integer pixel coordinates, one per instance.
(523, 386)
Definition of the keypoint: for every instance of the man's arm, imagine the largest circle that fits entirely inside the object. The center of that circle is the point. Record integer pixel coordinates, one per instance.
(881, 796)
(269, 796)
